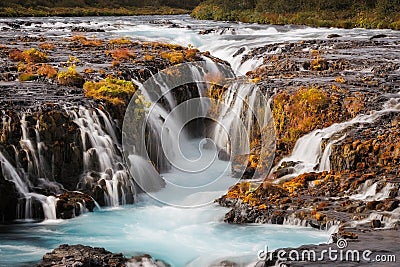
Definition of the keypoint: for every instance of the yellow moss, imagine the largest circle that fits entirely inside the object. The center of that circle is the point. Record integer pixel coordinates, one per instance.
(340, 79)
(148, 57)
(69, 73)
(174, 57)
(120, 41)
(70, 77)
(110, 89)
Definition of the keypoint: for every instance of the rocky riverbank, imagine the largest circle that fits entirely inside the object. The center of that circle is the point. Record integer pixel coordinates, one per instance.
(342, 95)
(60, 98)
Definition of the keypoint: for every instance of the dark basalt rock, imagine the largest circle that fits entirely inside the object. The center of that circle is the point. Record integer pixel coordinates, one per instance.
(223, 155)
(8, 200)
(70, 204)
(85, 256)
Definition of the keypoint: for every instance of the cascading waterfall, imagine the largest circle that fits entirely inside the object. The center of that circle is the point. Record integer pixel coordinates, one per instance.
(307, 151)
(241, 101)
(22, 184)
(102, 154)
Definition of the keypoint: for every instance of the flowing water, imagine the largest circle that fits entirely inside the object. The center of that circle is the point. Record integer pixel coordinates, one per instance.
(180, 236)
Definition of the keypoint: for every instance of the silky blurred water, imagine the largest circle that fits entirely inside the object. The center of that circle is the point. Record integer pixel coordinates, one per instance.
(179, 236)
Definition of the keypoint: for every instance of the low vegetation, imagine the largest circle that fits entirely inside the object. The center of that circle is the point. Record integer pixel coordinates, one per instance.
(13, 8)
(329, 13)
(111, 90)
(31, 55)
(84, 41)
(70, 77)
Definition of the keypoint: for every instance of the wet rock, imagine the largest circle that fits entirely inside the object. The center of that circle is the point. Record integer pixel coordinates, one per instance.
(376, 223)
(79, 255)
(333, 35)
(223, 155)
(71, 204)
(240, 51)
(206, 31)
(378, 36)
(8, 200)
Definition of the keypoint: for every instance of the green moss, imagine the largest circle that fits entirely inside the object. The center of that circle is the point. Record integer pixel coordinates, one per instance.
(25, 77)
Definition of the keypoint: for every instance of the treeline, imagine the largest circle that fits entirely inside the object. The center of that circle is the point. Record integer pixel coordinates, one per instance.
(187, 4)
(330, 13)
(15, 8)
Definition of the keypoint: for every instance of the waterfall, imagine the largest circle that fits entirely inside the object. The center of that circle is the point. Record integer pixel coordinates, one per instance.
(102, 153)
(22, 184)
(307, 150)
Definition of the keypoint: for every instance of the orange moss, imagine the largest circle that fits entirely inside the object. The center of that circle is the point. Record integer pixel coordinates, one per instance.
(88, 71)
(121, 54)
(319, 64)
(47, 70)
(29, 56)
(85, 41)
(47, 46)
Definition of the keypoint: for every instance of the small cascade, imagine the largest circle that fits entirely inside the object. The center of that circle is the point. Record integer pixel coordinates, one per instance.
(102, 154)
(244, 117)
(11, 174)
(308, 152)
(31, 148)
(27, 201)
(369, 192)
